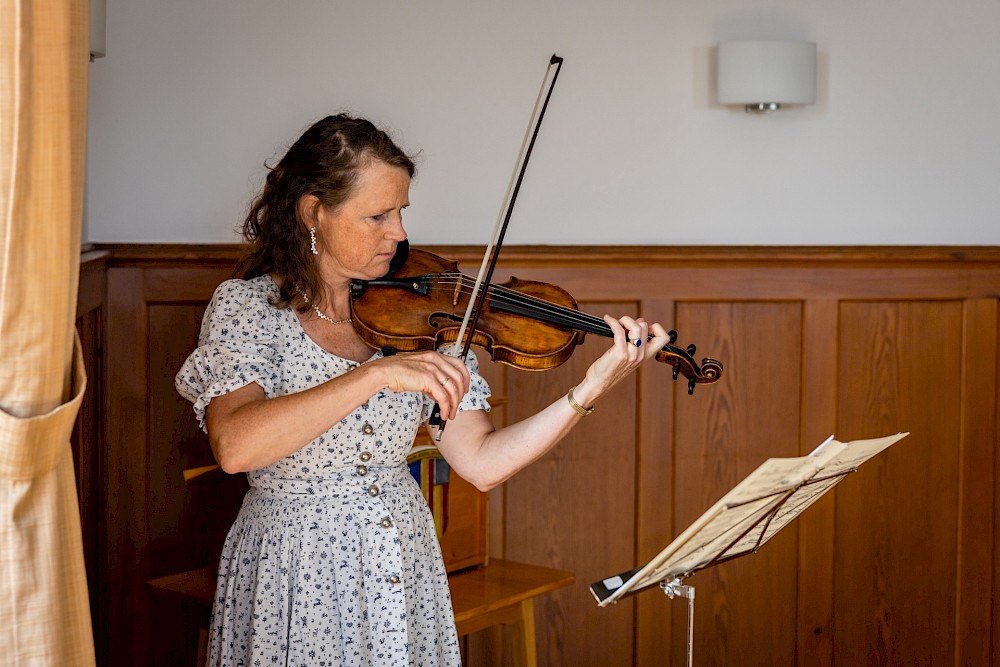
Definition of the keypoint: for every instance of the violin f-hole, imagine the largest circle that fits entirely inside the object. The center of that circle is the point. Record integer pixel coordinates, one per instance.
(433, 317)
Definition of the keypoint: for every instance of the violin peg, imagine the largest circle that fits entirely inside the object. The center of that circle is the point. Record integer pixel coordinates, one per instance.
(673, 337)
(690, 386)
(691, 349)
(677, 371)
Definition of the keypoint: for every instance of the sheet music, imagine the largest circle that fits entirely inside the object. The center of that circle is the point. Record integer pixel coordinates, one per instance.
(750, 514)
(857, 452)
(847, 460)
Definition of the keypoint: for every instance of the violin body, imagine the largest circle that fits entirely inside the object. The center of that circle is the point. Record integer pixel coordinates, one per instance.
(421, 305)
(526, 324)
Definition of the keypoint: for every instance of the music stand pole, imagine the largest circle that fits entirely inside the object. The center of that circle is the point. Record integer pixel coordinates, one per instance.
(673, 589)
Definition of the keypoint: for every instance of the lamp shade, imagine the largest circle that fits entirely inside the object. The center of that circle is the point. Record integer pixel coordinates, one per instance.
(766, 73)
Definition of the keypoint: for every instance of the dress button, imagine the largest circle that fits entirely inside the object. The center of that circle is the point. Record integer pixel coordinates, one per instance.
(386, 522)
(362, 470)
(366, 456)
(373, 490)
(394, 579)
(367, 429)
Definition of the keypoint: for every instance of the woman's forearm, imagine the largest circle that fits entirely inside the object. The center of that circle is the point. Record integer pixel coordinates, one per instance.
(486, 458)
(248, 431)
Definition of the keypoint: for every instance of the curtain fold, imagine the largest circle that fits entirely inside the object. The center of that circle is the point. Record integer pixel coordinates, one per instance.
(44, 607)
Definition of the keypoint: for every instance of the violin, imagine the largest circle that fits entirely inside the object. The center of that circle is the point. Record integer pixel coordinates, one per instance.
(526, 324)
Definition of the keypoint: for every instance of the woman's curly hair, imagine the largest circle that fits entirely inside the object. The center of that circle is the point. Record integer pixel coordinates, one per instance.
(325, 162)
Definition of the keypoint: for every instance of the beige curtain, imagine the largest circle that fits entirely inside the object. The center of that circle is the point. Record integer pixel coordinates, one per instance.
(44, 613)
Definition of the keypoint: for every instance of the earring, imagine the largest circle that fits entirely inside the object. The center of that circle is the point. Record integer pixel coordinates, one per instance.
(312, 240)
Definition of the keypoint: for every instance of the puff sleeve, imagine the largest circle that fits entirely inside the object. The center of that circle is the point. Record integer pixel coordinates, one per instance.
(237, 346)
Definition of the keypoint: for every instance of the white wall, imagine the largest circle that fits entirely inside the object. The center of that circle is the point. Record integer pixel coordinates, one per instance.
(901, 148)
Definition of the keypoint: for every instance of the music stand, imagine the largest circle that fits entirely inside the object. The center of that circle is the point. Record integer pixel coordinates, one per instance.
(749, 515)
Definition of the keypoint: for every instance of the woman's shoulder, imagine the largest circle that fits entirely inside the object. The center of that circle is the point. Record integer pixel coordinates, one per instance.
(243, 304)
(237, 294)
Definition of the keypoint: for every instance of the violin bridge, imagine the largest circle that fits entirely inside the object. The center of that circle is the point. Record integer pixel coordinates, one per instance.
(457, 294)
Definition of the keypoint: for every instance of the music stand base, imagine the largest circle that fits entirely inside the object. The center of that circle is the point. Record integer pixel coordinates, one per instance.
(674, 588)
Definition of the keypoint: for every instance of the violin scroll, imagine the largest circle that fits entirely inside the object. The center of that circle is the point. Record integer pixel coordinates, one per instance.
(709, 371)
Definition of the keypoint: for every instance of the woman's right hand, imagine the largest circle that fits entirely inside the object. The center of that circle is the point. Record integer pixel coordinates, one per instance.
(442, 377)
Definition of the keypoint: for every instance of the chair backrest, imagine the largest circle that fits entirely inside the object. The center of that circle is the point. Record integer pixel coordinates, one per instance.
(433, 474)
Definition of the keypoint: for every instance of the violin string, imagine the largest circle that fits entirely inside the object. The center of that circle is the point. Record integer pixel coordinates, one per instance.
(555, 313)
(552, 312)
(562, 314)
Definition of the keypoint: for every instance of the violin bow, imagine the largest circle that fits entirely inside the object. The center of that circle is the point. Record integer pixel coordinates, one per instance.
(477, 299)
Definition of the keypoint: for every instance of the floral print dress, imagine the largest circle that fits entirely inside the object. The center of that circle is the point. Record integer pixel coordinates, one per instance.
(333, 559)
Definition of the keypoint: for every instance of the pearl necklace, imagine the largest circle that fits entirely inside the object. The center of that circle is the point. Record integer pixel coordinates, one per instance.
(323, 316)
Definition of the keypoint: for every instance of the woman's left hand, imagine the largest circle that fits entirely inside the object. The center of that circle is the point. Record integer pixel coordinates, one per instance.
(629, 350)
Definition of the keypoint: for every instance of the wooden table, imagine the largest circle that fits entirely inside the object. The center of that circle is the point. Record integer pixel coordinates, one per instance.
(501, 592)
(504, 592)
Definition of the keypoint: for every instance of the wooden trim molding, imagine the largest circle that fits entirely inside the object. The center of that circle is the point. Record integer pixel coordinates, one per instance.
(605, 256)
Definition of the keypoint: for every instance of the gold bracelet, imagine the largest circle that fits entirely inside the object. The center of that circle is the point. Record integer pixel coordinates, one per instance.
(576, 406)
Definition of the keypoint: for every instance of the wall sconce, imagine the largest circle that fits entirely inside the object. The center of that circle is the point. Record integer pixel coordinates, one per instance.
(764, 75)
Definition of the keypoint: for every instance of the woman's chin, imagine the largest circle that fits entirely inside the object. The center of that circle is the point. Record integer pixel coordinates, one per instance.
(378, 269)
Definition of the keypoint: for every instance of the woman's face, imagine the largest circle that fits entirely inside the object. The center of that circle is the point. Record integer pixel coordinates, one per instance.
(358, 239)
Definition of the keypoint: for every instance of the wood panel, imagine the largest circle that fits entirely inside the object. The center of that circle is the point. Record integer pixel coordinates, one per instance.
(656, 480)
(127, 468)
(722, 436)
(897, 566)
(88, 435)
(572, 509)
(976, 514)
(817, 544)
(897, 519)
(157, 525)
(187, 522)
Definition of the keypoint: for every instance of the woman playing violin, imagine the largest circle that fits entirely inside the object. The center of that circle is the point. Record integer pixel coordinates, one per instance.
(333, 558)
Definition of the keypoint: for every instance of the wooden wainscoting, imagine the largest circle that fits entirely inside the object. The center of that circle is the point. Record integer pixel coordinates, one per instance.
(87, 441)
(896, 566)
